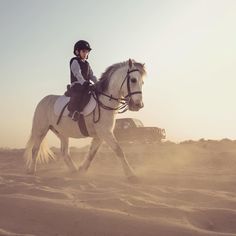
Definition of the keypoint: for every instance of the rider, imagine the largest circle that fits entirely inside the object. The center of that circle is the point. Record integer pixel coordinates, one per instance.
(81, 76)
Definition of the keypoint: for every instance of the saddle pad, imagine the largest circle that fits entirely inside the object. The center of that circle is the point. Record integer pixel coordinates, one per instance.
(62, 100)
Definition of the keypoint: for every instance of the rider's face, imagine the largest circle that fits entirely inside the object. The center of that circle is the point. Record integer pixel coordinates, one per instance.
(83, 54)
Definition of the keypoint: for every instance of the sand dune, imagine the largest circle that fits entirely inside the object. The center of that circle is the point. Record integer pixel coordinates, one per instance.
(185, 189)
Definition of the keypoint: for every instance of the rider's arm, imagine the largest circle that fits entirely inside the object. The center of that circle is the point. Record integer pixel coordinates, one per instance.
(91, 76)
(75, 69)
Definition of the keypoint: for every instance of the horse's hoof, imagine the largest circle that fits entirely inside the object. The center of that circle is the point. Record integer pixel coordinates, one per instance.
(73, 170)
(133, 179)
(30, 172)
(82, 171)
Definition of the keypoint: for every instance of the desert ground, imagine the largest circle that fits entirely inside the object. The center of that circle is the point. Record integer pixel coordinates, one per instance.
(183, 189)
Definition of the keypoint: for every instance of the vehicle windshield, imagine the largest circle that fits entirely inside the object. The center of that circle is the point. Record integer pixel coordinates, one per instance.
(138, 123)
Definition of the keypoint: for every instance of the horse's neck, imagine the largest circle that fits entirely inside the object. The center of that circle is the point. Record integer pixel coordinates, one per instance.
(114, 87)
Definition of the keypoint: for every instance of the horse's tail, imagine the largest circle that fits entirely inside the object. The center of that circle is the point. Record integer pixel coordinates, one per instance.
(36, 141)
(44, 154)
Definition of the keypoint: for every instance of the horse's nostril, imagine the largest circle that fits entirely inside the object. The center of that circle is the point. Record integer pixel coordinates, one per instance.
(139, 104)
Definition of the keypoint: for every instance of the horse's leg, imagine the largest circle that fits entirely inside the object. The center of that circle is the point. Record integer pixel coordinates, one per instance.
(112, 142)
(95, 144)
(65, 150)
(65, 153)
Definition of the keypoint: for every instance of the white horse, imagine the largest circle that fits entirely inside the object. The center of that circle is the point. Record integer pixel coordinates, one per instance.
(120, 82)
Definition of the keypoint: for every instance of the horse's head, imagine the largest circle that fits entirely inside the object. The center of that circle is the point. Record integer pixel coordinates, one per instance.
(132, 85)
(121, 83)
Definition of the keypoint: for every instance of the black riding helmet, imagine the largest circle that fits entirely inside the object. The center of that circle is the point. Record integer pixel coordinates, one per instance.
(82, 44)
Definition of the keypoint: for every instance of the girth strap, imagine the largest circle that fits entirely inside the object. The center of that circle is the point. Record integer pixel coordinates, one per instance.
(82, 126)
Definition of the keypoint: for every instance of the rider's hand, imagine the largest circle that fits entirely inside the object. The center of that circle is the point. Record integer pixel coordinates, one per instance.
(86, 84)
(91, 86)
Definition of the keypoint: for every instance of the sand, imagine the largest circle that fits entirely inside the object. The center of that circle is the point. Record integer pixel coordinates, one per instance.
(183, 189)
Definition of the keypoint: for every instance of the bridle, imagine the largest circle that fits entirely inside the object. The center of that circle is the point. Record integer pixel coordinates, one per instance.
(123, 107)
(127, 78)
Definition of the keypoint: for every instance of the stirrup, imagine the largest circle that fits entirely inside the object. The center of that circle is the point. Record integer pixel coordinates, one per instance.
(75, 115)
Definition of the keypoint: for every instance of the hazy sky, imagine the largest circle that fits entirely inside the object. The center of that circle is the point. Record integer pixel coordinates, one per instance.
(188, 46)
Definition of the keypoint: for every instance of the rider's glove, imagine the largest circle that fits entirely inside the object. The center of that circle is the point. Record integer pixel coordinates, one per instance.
(86, 84)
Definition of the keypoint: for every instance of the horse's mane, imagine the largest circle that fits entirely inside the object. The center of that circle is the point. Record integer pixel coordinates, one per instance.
(103, 82)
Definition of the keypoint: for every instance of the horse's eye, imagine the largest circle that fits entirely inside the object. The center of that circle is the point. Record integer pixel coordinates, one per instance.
(133, 80)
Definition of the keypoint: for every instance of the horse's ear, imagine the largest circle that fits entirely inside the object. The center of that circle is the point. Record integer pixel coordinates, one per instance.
(130, 63)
